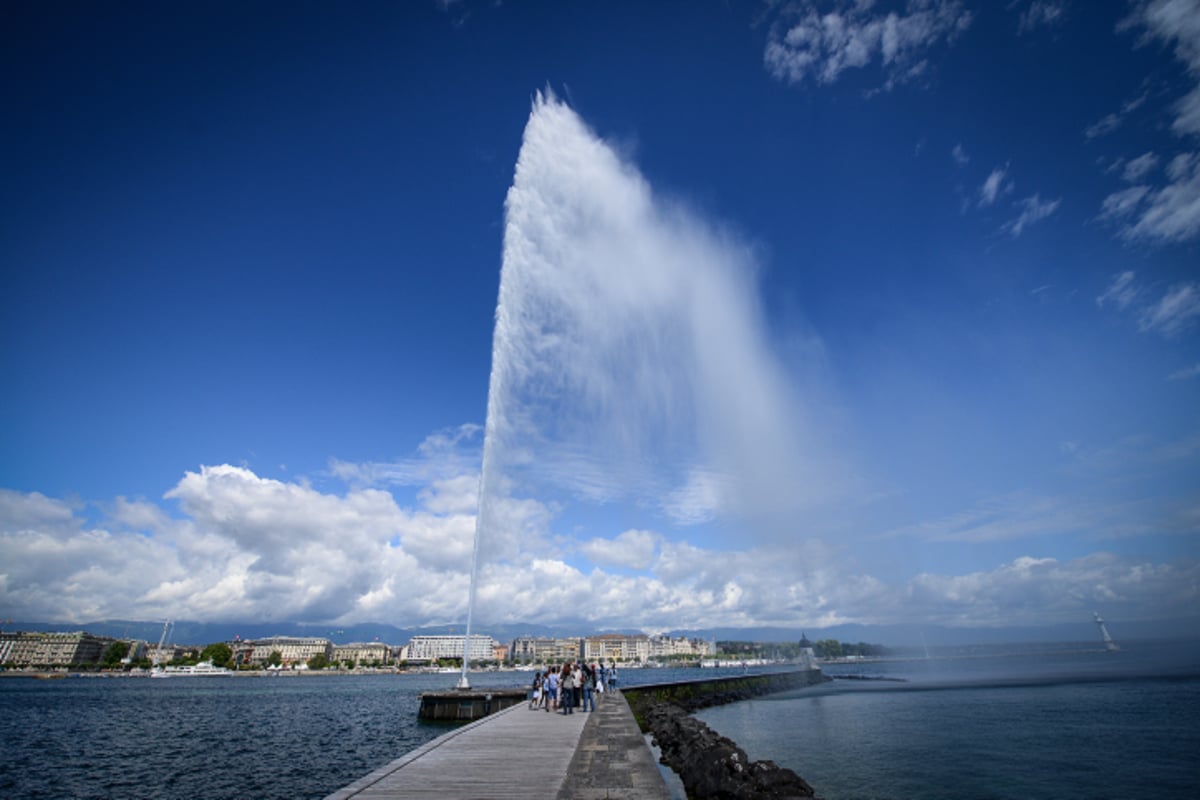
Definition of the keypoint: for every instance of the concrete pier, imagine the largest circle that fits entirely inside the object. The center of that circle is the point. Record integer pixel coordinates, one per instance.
(520, 753)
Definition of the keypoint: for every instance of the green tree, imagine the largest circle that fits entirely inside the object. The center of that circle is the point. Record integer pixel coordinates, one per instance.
(219, 653)
(275, 659)
(115, 652)
(319, 661)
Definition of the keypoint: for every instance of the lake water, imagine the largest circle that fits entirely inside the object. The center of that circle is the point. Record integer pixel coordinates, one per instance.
(1028, 723)
(996, 724)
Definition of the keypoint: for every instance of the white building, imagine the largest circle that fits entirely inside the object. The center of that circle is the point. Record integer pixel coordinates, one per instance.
(429, 648)
(293, 649)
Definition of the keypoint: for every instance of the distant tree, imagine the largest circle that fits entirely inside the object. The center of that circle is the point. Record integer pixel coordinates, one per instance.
(319, 661)
(219, 653)
(275, 659)
(115, 652)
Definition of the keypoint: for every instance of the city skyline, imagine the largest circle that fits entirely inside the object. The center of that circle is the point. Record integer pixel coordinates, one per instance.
(892, 315)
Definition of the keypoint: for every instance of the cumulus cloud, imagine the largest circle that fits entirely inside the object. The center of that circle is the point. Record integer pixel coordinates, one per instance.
(823, 45)
(357, 556)
(633, 549)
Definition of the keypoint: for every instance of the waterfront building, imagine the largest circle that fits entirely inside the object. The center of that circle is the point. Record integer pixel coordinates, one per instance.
(38, 649)
(617, 647)
(430, 648)
(545, 649)
(294, 649)
(666, 647)
(363, 654)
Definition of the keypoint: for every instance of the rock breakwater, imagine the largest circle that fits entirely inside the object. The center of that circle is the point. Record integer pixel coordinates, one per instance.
(712, 766)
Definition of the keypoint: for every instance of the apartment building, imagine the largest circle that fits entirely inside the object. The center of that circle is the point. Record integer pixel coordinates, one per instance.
(429, 648)
(363, 655)
(293, 649)
(33, 648)
(545, 649)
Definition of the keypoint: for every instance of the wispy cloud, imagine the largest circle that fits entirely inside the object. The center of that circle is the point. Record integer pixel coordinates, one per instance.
(1041, 13)
(960, 156)
(1111, 122)
(1174, 313)
(1033, 209)
(1186, 373)
(1167, 214)
(1170, 315)
(993, 185)
(1121, 292)
(1170, 212)
(822, 45)
(1138, 168)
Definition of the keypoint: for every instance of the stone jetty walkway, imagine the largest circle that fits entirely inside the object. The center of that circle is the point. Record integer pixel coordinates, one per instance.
(518, 753)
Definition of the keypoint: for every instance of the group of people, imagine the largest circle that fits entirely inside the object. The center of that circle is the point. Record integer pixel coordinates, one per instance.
(572, 685)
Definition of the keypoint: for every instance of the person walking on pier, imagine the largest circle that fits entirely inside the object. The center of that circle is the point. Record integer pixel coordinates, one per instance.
(589, 686)
(566, 688)
(535, 697)
(550, 686)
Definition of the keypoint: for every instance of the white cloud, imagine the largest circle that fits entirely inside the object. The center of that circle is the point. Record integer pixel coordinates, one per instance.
(633, 549)
(993, 185)
(1176, 23)
(1167, 214)
(1041, 13)
(1185, 373)
(1033, 209)
(1112, 121)
(1174, 313)
(1123, 203)
(823, 45)
(1138, 168)
(1121, 292)
(1170, 315)
(960, 156)
(358, 557)
(1035, 591)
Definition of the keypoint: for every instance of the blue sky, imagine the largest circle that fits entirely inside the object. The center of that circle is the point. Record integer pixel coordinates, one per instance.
(874, 312)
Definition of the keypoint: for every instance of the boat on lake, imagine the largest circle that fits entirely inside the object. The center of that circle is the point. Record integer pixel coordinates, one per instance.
(203, 669)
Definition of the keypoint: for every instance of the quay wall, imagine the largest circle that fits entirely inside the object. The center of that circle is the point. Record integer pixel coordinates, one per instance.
(694, 695)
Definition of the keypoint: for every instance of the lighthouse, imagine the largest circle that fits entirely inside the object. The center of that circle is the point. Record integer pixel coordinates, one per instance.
(1109, 644)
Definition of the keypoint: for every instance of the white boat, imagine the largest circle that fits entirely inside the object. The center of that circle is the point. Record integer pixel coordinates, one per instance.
(203, 669)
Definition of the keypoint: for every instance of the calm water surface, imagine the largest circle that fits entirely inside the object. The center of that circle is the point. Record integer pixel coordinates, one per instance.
(990, 723)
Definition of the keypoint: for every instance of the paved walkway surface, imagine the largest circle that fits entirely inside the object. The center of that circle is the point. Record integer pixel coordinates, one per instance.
(519, 753)
(613, 760)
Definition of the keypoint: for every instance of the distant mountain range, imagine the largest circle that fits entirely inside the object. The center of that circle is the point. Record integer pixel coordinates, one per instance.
(199, 633)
